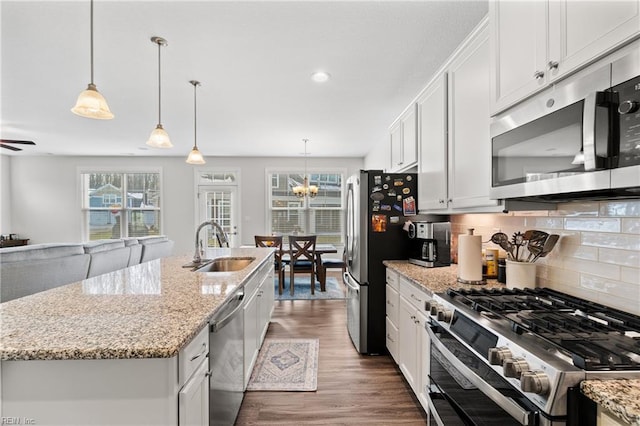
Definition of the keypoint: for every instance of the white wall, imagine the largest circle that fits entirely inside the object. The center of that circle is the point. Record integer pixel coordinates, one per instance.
(5, 195)
(379, 156)
(46, 196)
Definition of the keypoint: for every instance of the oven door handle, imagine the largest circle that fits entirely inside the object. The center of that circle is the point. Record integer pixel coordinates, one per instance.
(506, 403)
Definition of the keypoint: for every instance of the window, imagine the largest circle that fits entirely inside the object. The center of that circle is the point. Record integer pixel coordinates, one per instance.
(118, 204)
(322, 215)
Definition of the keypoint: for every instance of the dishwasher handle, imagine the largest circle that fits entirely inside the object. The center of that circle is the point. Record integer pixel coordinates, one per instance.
(218, 324)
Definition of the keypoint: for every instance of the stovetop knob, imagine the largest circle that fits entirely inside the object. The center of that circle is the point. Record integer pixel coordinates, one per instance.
(534, 381)
(514, 367)
(434, 307)
(498, 355)
(444, 314)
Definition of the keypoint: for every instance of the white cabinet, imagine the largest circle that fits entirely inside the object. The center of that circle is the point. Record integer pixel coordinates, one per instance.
(259, 296)
(403, 136)
(424, 360)
(455, 145)
(432, 137)
(469, 162)
(408, 348)
(193, 398)
(392, 312)
(535, 43)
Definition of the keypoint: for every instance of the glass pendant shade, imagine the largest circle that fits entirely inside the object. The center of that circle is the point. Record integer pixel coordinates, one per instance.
(91, 104)
(195, 156)
(305, 190)
(159, 138)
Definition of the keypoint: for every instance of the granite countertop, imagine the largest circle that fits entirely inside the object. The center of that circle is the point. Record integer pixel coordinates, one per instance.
(435, 280)
(150, 310)
(621, 397)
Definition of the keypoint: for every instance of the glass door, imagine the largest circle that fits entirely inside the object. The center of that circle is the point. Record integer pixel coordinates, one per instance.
(219, 203)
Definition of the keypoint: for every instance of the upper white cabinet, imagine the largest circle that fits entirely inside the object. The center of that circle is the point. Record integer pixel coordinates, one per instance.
(432, 137)
(453, 132)
(534, 43)
(404, 146)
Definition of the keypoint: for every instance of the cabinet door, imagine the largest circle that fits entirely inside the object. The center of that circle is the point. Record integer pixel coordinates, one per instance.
(408, 343)
(432, 137)
(469, 140)
(409, 137)
(424, 354)
(392, 304)
(582, 31)
(193, 398)
(396, 146)
(266, 296)
(518, 50)
(251, 332)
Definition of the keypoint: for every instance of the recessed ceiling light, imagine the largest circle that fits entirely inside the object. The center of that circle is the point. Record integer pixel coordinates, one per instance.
(320, 76)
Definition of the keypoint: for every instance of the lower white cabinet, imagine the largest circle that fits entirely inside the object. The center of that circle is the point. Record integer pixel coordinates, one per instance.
(259, 296)
(407, 337)
(193, 398)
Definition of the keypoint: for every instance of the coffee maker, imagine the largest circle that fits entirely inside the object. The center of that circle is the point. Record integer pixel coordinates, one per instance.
(430, 244)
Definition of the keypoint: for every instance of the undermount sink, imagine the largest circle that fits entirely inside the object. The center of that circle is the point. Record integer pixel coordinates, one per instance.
(226, 264)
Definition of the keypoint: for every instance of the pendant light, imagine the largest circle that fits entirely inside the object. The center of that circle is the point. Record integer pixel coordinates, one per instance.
(159, 137)
(90, 102)
(305, 190)
(195, 157)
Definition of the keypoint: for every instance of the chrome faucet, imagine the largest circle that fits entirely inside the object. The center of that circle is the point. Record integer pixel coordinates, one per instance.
(220, 235)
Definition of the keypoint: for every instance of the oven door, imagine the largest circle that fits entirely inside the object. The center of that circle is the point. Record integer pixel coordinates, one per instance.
(464, 390)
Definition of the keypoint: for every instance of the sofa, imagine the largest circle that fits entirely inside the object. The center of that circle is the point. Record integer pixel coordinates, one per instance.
(34, 268)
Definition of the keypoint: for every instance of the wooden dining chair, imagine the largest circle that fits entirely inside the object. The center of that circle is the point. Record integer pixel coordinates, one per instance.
(331, 263)
(274, 242)
(302, 258)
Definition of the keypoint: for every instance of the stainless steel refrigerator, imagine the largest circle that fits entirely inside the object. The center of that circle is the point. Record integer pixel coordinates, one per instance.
(378, 204)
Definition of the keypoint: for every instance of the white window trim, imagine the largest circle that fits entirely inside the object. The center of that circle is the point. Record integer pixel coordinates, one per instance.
(80, 170)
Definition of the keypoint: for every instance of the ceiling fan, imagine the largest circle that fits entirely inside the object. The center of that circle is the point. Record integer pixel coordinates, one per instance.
(4, 143)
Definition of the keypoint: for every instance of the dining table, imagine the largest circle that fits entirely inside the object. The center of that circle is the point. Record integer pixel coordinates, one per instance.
(320, 250)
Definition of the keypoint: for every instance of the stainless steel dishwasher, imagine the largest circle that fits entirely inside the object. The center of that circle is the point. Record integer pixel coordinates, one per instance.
(226, 361)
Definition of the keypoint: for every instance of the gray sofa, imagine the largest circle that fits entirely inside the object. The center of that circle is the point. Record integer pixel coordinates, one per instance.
(34, 268)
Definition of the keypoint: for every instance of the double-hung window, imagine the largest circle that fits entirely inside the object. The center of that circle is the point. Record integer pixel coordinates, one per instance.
(322, 216)
(120, 204)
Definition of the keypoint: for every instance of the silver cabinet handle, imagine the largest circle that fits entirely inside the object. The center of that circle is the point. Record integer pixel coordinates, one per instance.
(202, 352)
(553, 65)
(538, 75)
(416, 298)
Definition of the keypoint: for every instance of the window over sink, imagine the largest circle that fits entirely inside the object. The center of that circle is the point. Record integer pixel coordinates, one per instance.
(119, 204)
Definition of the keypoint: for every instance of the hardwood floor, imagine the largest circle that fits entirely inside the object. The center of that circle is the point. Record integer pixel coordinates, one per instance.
(352, 389)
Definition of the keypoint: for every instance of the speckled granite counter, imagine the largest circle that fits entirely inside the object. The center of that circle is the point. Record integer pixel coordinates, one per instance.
(434, 280)
(150, 310)
(620, 397)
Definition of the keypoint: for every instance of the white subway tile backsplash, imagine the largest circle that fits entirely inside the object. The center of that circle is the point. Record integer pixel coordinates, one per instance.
(576, 209)
(619, 257)
(619, 241)
(631, 226)
(597, 256)
(629, 208)
(630, 275)
(592, 224)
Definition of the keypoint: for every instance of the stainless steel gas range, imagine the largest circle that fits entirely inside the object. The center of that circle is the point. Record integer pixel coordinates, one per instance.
(516, 357)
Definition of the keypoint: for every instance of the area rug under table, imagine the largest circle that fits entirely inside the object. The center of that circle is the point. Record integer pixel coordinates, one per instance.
(286, 365)
(302, 289)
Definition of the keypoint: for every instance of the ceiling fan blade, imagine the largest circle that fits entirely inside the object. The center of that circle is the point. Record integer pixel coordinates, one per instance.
(12, 148)
(16, 141)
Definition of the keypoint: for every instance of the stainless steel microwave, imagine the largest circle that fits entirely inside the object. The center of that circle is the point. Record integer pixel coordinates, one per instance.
(579, 139)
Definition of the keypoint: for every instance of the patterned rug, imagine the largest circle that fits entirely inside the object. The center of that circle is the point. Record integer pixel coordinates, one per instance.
(286, 365)
(302, 289)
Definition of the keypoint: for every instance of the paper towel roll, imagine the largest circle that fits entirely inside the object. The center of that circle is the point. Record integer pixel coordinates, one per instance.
(470, 258)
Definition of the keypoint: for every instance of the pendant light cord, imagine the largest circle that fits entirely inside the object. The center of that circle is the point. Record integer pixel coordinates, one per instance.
(91, 40)
(159, 86)
(195, 115)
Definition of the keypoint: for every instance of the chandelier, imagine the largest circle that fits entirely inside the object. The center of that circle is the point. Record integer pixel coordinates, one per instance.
(305, 190)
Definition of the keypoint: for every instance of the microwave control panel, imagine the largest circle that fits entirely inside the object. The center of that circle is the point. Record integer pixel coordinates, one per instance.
(629, 120)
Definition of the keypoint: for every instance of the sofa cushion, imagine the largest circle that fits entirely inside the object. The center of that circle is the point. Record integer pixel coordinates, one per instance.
(98, 246)
(39, 251)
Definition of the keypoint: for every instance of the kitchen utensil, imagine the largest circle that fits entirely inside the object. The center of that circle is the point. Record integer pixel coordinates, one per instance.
(549, 244)
(518, 241)
(501, 239)
(536, 243)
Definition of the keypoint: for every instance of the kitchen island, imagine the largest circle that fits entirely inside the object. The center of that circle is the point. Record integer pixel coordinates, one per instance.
(114, 348)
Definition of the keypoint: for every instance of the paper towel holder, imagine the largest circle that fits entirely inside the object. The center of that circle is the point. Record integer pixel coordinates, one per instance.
(471, 282)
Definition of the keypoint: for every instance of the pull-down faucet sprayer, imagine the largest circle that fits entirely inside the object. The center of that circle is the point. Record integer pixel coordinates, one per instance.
(222, 237)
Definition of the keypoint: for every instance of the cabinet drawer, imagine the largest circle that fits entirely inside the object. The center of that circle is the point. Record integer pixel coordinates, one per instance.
(392, 278)
(393, 300)
(392, 340)
(415, 296)
(254, 281)
(190, 357)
